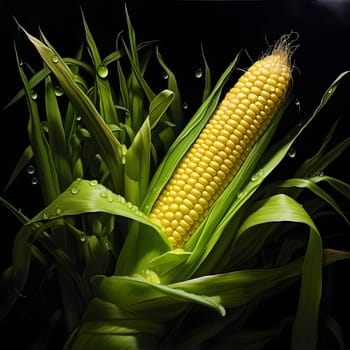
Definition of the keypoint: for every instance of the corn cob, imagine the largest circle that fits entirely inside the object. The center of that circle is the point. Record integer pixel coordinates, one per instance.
(222, 146)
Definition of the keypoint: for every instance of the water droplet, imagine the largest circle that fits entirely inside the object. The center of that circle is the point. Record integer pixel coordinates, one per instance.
(292, 153)
(54, 59)
(121, 199)
(331, 90)
(102, 71)
(241, 194)
(58, 90)
(78, 118)
(103, 194)
(185, 105)
(82, 237)
(93, 183)
(46, 215)
(199, 73)
(59, 211)
(30, 169)
(165, 75)
(21, 63)
(297, 105)
(34, 180)
(129, 205)
(257, 175)
(74, 190)
(34, 95)
(109, 197)
(317, 173)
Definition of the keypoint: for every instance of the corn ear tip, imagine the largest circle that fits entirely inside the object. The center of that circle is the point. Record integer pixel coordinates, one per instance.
(285, 47)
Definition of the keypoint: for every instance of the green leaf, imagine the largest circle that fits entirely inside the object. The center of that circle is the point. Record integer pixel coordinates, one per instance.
(26, 156)
(175, 110)
(318, 191)
(159, 105)
(283, 208)
(207, 77)
(140, 296)
(137, 164)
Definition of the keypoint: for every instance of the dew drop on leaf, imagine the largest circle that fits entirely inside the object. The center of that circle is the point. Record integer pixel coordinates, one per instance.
(74, 190)
(34, 180)
(292, 153)
(199, 73)
(58, 91)
(257, 175)
(54, 59)
(30, 169)
(93, 183)
(102, 71)
(34, 95)
(165, 75)
(121, 199)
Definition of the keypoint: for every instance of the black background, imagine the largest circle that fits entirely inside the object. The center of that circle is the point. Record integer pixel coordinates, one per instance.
(223, 28)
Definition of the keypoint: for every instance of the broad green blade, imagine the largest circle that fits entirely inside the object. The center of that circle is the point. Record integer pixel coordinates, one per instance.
(283, 208)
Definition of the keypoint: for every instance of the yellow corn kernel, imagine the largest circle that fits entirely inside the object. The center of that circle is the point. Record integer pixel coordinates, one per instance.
(222, 146)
